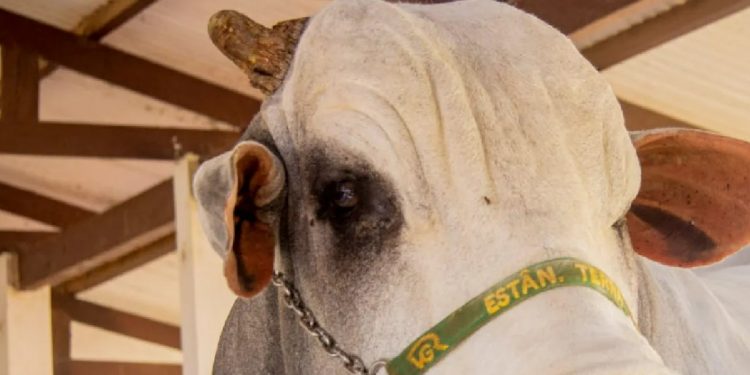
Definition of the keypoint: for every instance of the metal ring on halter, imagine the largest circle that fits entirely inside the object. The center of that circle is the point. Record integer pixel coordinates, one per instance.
(376, 366)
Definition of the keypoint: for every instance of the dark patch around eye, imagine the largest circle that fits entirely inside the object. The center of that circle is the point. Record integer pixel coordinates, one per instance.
(359, 206)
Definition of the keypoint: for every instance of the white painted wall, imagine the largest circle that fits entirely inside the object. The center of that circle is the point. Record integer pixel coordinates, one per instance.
(25, 326)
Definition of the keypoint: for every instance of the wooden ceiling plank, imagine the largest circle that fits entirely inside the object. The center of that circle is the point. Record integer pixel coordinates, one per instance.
(121, 322)
(140, 142)
(102, 21)
(110, 16)
(126, 70)
(660, 29)
(639, 118)
(39, 207)
(78, 367)
(570, 15)
(119, 266)
(20, 85)
(98, 239)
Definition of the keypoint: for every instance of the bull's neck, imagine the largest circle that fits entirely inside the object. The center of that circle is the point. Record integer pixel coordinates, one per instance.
(686, 324)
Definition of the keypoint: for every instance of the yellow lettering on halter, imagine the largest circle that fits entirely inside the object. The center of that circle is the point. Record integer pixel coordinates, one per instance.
(546, 275)
(495, 301)
(595, 279)
(607, 284)
(527, 283)
(582, 268)
(503, 299)
(513, 286)
(490, 304)
(423, 351)
(619, 300)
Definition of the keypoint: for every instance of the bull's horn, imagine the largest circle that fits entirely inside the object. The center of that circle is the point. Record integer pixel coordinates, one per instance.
(264, 54)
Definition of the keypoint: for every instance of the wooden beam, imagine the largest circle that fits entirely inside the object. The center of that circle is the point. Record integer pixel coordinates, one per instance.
(63, 139)
(119, 266)
(121, 322)
(639, 118)
(109, 16)
(98, 239)
(103, 20)
(36, 206)
(20, 86)
(120, 368)
(570, 15)
(660, 29)
(61, 334)
(11, 240)
(127, 70)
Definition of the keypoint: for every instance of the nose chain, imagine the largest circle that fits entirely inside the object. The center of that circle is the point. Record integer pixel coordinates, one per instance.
(293, 300)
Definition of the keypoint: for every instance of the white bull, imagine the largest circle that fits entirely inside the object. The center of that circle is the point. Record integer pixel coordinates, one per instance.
(412, 156)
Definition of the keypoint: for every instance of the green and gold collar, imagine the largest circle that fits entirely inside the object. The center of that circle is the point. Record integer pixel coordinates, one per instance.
(441, 339)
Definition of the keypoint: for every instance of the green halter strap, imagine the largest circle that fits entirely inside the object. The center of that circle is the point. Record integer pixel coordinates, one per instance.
(436, 343)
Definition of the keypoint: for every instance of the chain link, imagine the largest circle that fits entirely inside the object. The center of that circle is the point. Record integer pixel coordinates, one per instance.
(307, 320)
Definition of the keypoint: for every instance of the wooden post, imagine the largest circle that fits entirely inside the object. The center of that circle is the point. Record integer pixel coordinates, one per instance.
(25, 326)
(205, 298)
(20, 86)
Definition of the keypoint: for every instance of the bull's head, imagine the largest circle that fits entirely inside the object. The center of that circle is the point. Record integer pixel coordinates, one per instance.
(409, 156)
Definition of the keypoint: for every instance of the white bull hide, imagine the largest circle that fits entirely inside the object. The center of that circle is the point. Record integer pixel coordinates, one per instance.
(466, 140)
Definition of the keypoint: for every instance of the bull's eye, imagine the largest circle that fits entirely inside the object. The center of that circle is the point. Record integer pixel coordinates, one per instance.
(345, 195)
(339, 199)
(349, 207)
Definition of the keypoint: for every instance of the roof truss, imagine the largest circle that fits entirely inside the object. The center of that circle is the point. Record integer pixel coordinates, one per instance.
(113, 141)
(98, 239)
(660, 29)
(38, 207)
(126, 70)
(20, 84)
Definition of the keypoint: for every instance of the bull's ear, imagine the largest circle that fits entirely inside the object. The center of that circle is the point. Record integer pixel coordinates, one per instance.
(693, 207)
(237, 193)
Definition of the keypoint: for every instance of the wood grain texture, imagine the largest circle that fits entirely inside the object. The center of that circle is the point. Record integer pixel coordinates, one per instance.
(127, 70)
(117, 267)
(639, 118)
(570, 15)
(109, 16)
(119, 368)
(121, 322)
(20, 86)
(141, 142)
(102, 21)
(61, 338)
(99, 239)
(658, 30)
(39, 207)
(10, 240)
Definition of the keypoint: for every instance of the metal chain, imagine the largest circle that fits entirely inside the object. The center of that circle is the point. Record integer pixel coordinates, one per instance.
(307, 320)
